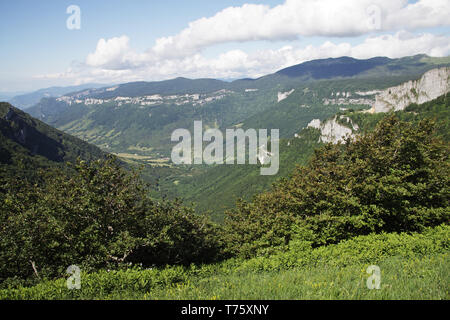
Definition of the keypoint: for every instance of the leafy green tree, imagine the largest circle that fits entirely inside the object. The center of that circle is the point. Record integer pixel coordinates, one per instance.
(99, 216)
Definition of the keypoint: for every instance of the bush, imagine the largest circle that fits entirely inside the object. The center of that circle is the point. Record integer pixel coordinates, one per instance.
(100, 216)
(369, 249)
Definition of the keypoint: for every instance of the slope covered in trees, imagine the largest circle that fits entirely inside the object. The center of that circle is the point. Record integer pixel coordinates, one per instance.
(393, 179)
(27, 144)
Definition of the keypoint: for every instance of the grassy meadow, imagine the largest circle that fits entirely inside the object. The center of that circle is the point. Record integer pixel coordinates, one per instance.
(413, 266)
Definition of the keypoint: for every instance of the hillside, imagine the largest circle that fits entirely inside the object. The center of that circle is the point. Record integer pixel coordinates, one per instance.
(333, 272)
(27, 144)
(431, 85)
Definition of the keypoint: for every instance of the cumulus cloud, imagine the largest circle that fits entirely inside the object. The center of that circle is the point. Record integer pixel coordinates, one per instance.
(290, 20)
(115, 53)
(295, 18)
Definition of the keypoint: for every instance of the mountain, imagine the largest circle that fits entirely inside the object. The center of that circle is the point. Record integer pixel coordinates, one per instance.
(219, 187)
(332, 68)
(140, 116)
(431, 85)
(24, 101)
(28, 144)
(381, 68)
(136, 120)
(323, 69)
(228, 184)
(167, 87)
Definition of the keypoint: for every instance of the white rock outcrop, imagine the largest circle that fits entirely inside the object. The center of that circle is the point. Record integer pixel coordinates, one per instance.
(284, 95)
(314, 124)
(333, 131)
(431, 85)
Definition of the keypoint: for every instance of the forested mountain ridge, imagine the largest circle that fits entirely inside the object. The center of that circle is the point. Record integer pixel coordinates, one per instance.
(139, 117)
(135, 120)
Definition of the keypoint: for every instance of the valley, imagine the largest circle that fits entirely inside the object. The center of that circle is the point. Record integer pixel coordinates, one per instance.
(134, 121)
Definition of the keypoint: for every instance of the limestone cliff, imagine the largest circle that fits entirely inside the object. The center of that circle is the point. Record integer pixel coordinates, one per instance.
(431, 85)
(334, 130)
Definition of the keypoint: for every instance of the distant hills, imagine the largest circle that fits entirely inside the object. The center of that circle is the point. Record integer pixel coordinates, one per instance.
(329, 69)
(140, 116)
(348, 68)
(5, 96)
(26, 100)
(174, 86)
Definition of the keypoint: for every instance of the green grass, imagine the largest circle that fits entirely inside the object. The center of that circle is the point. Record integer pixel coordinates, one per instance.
(401, 278)
(413, 266)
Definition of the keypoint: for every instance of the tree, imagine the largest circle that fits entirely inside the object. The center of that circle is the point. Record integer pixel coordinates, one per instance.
(98, 216)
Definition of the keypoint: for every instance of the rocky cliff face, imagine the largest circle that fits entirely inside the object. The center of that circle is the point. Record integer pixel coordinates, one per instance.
(431, 85)
(335, 130)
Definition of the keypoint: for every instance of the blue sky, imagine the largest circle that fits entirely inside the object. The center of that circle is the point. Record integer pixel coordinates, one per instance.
(39, 51)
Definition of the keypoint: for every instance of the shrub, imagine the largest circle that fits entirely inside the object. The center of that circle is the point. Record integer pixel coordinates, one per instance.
(100, 216)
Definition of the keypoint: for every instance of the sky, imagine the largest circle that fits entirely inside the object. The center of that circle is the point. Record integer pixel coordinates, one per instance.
(116, 41)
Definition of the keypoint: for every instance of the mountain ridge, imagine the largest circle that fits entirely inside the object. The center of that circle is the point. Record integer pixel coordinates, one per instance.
(342, 67)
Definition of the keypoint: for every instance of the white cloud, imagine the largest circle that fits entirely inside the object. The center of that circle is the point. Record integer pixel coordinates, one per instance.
(115, 53)
(296, 18)
(289, 20)
(422, 14)
(109, 52)
(403, 44)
